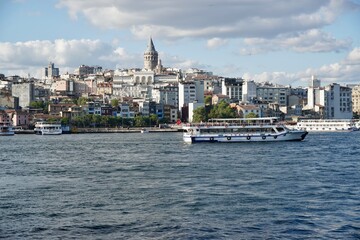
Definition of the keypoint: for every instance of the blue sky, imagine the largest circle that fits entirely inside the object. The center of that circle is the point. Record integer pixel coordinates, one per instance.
(265, 40)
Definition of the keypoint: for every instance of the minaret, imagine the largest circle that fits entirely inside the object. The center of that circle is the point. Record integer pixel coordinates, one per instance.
(150, 56)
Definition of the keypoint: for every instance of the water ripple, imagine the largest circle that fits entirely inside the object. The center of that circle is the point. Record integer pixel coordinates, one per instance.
(153, 186)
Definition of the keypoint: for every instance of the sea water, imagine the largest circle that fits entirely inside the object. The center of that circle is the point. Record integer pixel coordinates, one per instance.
(154, 186)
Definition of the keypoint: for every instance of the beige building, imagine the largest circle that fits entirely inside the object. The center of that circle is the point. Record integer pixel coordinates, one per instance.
(218, 98)
(104, 88)
(356, 99)
(244, 110)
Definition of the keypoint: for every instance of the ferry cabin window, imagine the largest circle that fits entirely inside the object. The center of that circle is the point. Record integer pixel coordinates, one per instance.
(280, 129)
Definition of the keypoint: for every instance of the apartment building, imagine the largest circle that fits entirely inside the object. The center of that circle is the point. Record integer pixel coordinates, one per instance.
(232, 87)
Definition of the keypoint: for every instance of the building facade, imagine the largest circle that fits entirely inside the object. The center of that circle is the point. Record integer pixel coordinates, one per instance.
(25, 92)
(51, 71)
(273, 94)
(339, 102)
(356, 99)
(232, 87)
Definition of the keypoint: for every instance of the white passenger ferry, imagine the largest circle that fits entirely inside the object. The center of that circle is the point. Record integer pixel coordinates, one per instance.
(241, 130)
(6, 129)
(44, 128)
(327, 125)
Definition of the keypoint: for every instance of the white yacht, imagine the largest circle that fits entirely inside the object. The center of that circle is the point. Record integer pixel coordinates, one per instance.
(327, 125)
(44, 128)
(241, 130)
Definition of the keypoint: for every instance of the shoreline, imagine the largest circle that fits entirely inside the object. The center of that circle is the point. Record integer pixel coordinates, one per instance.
(109, 130)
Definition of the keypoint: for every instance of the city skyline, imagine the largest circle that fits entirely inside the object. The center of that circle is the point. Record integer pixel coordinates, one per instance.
(273, 41)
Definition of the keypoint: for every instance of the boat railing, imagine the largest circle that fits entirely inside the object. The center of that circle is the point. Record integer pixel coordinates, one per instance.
(211, 124)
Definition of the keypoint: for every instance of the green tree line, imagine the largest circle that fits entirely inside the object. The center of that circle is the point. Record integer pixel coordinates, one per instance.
(91, 120)
(220, 110)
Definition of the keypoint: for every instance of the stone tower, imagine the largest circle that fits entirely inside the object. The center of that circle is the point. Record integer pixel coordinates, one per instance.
(150, 56)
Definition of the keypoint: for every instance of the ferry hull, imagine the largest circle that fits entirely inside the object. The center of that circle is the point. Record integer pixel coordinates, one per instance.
(289, 136)
(6, 131)
(39, 132)
(9, 133)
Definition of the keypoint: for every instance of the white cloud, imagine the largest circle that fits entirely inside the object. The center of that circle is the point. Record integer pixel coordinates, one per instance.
(354, 56)
(180, 63)
(30, 56)
(313, 40)
(216, 42)
(208, 19)
(343, 72)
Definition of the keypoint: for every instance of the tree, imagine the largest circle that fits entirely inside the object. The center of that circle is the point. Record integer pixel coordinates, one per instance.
(251, 115)
(65, 121)
(37, 104)
(104, 121)
(115, 102)
(199, 115)
(208, 100)
(78, 122)
(40, 104)
(112, 121)
(139, 121)
(153, 119)
(222, 110)
(82, 101)
(96, 119)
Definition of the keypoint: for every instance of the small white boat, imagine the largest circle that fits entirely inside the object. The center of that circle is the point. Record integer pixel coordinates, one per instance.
(241, 130)
(327, 125)
(144, 130)
(44, 128)
(6, 129)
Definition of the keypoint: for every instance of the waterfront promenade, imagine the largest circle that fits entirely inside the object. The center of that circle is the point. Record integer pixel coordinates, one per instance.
(110, 130)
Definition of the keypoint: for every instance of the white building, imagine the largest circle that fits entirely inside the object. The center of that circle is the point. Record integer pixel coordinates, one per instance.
(166, 79)
(232, 87)
(167, 95)
(339, 102)
(144, 108)
(249, 91)
(331, 102)
(190, 92)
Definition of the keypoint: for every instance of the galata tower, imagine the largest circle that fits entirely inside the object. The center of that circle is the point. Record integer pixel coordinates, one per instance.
(150, 56)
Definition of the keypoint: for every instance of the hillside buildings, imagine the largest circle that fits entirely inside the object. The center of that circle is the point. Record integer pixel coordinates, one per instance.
(170, 93)
(329, 102)
(50, 71)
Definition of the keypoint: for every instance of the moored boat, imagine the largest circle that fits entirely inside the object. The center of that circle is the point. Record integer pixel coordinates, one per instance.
(6, 129)
(241, 130)
(327, 125)
(44, 128)
(144, 130)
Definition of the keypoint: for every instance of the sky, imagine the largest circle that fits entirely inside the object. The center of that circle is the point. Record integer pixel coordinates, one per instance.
(279, 41)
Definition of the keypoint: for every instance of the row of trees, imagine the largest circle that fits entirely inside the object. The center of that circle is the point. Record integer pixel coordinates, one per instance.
(201, 114)
(92, 120)
(220, 110)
